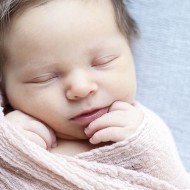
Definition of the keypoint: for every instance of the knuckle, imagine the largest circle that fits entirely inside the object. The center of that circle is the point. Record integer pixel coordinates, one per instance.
(36, 123)
(106, 134)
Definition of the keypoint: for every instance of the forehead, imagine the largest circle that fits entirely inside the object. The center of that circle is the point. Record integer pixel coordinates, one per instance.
(61, 23)
(72, 12)
(26, 5)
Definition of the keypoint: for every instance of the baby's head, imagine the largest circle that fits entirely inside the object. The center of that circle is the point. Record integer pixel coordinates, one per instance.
(63, 57)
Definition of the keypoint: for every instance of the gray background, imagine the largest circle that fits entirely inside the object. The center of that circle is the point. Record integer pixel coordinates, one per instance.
(162, 58)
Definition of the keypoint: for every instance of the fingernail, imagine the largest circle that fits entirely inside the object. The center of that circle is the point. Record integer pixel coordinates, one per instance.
(91, 140)
(86, 130)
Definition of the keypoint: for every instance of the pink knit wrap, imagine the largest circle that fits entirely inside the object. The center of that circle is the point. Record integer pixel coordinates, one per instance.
(147, 160)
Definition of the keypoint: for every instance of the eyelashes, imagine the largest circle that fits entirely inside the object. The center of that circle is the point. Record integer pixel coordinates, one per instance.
(103, 61)
(49, 77)
(44, 78)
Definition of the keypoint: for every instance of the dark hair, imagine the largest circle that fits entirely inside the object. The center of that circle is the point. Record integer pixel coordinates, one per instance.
(11, 8)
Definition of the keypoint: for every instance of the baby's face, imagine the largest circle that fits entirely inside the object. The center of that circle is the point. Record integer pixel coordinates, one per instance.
(67, 58)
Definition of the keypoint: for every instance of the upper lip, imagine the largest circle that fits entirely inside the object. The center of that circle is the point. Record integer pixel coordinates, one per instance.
(87, 112)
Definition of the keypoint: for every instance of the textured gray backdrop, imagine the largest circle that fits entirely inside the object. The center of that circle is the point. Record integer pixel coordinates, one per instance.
(162, 57)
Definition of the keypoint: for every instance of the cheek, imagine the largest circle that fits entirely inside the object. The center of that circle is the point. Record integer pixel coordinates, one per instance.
(26, 99)
(121, 86)
(42, 102)
(14, 96)
(125, 91)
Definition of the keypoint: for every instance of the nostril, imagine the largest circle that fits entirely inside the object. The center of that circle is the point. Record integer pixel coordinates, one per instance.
(71, 96)
(92, 92)
(80, 91)
(76, 97)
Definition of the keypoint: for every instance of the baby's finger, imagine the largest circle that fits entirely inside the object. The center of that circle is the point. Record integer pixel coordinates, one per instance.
(53, 139)
(44, 132)
(109, 134)
(34, 138)
(118, 105)
(107, 120)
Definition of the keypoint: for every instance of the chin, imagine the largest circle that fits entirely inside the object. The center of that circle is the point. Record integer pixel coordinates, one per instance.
(70, 137)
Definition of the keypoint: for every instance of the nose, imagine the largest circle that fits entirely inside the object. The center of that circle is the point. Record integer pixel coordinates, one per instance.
(80, 86)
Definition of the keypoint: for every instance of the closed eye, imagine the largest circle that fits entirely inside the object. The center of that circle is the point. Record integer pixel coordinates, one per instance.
(103, 61)
(44, 78)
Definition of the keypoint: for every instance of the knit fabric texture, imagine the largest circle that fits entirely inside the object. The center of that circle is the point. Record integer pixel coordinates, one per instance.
(147, 160)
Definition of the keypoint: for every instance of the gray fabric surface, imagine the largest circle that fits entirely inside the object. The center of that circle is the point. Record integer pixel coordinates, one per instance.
(162, 58)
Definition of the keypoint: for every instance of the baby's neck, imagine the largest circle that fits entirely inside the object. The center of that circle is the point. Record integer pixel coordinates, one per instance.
(72, 148)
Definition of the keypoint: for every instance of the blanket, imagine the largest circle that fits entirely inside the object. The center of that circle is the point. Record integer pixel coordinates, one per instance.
(147, 160)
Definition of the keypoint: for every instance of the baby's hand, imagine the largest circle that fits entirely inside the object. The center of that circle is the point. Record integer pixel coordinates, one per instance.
(32, 129)
(121, 122)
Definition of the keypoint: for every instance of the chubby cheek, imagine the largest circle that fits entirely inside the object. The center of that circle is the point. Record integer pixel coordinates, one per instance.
(122, 87)
(35, 103)
(42, 105)
(125, 93)
(15, 97)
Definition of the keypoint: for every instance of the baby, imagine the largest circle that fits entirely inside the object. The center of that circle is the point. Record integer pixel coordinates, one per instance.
(69, 68)
(68, 75)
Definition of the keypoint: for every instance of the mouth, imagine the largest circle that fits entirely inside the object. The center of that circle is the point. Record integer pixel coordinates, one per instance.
(87, 117)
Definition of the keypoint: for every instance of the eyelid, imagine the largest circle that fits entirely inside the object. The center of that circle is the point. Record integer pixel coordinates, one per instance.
(104, 60)
(44, 78)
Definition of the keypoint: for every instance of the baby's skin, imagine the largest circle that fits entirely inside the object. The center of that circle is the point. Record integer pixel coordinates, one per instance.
(121, 122)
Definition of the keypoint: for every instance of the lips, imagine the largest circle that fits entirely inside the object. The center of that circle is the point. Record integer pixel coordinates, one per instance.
(87, 117)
